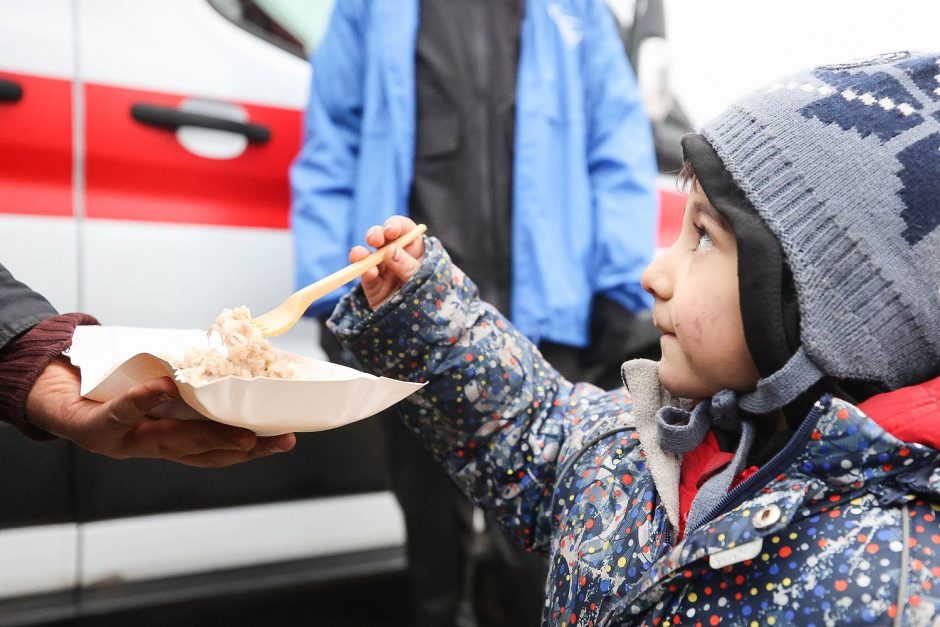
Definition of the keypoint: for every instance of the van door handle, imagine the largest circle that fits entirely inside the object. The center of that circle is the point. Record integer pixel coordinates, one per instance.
(10, 91)
(171, 119)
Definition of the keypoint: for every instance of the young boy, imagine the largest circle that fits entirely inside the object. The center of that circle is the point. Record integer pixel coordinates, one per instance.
(799, 309)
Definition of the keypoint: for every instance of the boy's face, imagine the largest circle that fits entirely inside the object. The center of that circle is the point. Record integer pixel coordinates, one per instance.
(697, 309)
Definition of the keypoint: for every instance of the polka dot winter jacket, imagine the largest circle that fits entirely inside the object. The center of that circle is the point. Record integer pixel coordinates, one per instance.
(839, 528)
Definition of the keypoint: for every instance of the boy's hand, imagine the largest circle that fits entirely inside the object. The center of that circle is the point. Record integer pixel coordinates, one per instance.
(400, 264)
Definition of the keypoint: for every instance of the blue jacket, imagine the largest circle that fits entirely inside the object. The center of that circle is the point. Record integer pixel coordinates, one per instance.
(584, 198)
(840, 527)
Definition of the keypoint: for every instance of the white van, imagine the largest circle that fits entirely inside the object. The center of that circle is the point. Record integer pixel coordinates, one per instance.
(144, 150)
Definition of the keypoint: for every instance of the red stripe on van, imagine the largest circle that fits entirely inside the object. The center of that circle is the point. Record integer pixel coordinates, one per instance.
(139, 172)
(671, 210)
(36, 147)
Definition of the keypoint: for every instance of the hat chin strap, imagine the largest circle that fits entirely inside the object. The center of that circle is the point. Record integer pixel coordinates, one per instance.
(783, 386)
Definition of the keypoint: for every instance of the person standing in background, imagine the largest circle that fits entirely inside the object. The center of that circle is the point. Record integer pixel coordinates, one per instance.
(515, 131)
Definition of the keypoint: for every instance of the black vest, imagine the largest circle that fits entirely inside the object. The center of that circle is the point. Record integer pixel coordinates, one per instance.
(465, 82)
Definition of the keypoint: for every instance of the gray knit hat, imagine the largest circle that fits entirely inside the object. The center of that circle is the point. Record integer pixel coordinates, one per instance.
(843, 166)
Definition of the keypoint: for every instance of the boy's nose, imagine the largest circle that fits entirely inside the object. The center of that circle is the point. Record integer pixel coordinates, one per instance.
(655, 280)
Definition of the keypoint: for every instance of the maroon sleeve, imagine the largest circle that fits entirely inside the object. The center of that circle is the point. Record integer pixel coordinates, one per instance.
(24, 359)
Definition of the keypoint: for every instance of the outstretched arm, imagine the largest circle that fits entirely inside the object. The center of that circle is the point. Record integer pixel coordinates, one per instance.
(497, 415)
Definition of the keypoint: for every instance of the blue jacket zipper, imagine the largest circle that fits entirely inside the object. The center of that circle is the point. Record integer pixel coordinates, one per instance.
(803, 432)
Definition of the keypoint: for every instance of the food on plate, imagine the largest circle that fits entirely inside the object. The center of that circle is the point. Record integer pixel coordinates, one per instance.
(247, 354)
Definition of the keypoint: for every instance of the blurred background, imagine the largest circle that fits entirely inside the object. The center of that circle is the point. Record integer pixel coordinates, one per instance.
(144, 152)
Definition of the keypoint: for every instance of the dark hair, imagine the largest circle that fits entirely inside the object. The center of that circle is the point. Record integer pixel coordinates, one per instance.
(686, 178)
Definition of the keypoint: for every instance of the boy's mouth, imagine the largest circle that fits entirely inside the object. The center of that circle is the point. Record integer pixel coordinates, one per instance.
(659, 326)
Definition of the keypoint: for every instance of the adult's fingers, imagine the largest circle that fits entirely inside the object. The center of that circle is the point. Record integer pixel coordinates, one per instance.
(219, 459)
(276, 443)
(131, 407)
(171, 439)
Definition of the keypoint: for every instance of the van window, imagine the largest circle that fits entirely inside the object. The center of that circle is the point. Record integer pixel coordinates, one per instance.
(294, 26)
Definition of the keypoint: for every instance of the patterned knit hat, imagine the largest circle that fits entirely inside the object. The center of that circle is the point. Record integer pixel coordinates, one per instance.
(843, 165)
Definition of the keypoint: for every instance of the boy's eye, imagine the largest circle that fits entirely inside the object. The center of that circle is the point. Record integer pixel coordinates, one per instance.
(705, 240)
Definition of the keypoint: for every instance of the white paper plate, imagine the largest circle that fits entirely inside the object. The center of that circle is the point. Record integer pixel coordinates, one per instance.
(115, 359)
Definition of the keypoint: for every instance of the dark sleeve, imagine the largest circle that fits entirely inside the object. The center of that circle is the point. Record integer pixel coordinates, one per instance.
(20, 307)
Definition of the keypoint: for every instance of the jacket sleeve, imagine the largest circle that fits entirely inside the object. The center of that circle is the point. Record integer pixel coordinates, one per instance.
(32, 334)
(20, 308)
(324, 172)
(24, 359)
(497, 415)
(621, 163)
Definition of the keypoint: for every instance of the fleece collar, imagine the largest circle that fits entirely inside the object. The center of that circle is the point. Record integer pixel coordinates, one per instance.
(641, 376)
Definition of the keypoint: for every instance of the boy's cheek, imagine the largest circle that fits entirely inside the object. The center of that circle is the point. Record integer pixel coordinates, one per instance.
(678, 376)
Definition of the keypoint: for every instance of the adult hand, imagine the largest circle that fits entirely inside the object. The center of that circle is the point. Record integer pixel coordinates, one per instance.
(122, 428)
(400, 264)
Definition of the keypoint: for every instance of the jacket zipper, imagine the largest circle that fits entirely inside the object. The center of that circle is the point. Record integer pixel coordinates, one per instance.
(737, 494)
